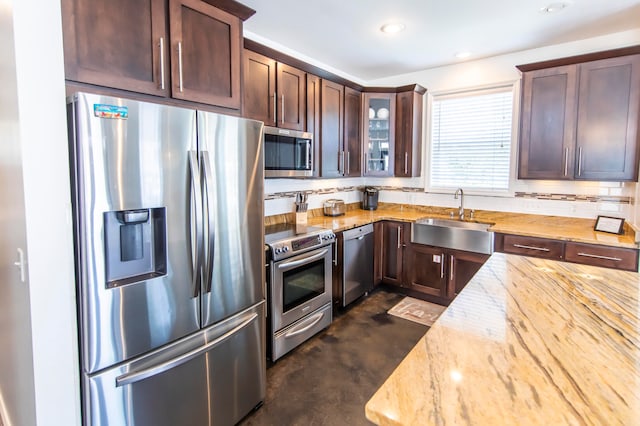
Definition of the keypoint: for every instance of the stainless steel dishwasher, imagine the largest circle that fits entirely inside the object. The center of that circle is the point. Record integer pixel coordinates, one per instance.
(357, 263)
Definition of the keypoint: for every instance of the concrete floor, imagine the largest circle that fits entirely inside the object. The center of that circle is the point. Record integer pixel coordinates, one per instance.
(328, 379)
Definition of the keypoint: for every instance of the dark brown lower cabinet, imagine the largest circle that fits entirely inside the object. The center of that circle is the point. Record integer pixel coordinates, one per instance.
(440, 274)
(587, 254)
(427, 272)
(394, 237)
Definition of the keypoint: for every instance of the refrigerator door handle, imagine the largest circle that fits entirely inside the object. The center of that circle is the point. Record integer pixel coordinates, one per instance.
(210, 237)
(195, 207)
(136, 376)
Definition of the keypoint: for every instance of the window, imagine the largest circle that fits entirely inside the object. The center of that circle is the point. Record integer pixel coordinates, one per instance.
(471, 139)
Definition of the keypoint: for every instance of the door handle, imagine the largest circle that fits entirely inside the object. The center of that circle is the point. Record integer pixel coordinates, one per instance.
(162, 63)
(210, 236)
(136, 376)
(531, 247)
(596, 256)
(195, 210)
(275, 107)
(180, 66)
(303, 260)
(314, 320)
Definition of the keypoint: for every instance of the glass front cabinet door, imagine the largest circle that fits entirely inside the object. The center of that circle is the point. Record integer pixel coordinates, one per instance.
(379, 120)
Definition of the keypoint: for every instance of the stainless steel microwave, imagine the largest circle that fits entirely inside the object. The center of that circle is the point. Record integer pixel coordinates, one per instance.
(287, 153)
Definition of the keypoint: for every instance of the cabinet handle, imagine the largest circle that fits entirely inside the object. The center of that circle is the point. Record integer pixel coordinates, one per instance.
(180, 65)
(451, 260)
(275, 106)
(442, 266)
(580, 161)
(335, 253)
(595, 256)
(531, 247)
(162, 63)
(399, 235)
(341, 162)
(406, 162)
(566, 161)
(348, 163)
(366, 162)
(282, 119)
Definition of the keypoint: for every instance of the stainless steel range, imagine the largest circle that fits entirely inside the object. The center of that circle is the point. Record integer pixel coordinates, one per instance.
(299, 285)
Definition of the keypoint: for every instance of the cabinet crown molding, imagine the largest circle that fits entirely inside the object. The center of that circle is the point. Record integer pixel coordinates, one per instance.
(587, 57)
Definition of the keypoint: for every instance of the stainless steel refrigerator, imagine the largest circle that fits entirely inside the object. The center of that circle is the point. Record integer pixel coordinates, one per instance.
(168, 214)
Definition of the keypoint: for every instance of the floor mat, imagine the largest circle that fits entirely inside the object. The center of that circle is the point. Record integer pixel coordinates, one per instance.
(416, 310)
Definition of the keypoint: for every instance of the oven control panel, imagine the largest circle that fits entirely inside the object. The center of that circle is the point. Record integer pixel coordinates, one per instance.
(289, 247)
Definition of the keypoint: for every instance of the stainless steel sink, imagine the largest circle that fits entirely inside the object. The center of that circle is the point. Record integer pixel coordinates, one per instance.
(453, 234)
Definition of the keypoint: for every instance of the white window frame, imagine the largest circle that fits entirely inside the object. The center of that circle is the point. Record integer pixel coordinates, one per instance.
(514, 85)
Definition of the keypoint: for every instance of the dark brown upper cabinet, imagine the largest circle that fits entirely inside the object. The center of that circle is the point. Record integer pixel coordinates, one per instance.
(352, 140)
(408, 137)
(121, 44)
(313, 118)
(274, 93)
(332, 154)
(378, 133)
(205, 53)
(580, 120)
(189, 51)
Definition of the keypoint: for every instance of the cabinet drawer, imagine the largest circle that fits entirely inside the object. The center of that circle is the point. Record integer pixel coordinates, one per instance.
(609, 257)
(535, 247)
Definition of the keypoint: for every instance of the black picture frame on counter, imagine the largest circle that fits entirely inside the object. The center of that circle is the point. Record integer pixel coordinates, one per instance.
(612, 225)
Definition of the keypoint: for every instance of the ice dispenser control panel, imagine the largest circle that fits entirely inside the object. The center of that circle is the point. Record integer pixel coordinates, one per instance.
(135, 245)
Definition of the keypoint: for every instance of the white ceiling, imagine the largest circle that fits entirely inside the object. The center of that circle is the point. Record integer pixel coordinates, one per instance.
(345, 35)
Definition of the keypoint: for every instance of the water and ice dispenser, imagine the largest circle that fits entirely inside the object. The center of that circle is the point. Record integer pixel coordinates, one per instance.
(135, 245)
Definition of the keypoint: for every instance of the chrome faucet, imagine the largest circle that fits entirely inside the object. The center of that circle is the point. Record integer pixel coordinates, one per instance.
(461, 209)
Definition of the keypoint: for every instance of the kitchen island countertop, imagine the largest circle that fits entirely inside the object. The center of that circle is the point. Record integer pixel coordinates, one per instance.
(527, 342)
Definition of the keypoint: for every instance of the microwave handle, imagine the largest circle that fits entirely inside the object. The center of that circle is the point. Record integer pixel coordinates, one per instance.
(309, 160)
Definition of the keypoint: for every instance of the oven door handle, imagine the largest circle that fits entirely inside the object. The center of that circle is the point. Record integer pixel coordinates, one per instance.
(303, 260)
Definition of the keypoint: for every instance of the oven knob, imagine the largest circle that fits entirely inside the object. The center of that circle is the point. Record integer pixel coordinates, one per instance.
(278, 250)
(285, 249)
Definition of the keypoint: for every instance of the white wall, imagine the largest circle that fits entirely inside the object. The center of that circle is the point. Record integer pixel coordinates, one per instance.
(500, 69)
(483, 72)
(41, 107)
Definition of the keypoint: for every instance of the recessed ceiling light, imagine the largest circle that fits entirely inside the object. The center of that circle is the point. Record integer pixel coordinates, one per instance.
(392, 28)
(554, 7)
(463, 55)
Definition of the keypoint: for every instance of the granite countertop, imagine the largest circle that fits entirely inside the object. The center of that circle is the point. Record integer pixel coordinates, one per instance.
(554, 227)
(528, 342)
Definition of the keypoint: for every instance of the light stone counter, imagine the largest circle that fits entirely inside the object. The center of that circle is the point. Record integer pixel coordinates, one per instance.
(527, 342)
(554, 227)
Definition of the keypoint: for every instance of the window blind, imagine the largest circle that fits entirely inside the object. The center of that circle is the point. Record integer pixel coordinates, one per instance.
(471, 140)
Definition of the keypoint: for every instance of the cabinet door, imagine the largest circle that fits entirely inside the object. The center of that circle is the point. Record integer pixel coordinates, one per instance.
(408, 137)
(259, 88)
(352, 142)
(291, 84)
(547, 134)
(393, 234)
(426, 269)
(121, 44)
(205, 54)
(313, 118)
(378, 126)
(462, 267)
(331, 129)
(608, 112)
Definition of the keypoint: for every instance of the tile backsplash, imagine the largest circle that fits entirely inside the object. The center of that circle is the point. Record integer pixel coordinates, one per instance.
(586, 199)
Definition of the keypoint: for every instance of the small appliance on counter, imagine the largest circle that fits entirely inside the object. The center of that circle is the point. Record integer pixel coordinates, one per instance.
(370, 198)
(334, 207)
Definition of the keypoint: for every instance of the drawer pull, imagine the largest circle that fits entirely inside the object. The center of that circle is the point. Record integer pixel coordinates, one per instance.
(531, 247)
(595, 256)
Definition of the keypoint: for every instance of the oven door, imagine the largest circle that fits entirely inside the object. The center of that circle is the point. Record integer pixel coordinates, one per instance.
(300, 285)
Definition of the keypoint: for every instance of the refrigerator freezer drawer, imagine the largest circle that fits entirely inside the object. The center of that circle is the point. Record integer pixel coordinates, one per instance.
(215, 376)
